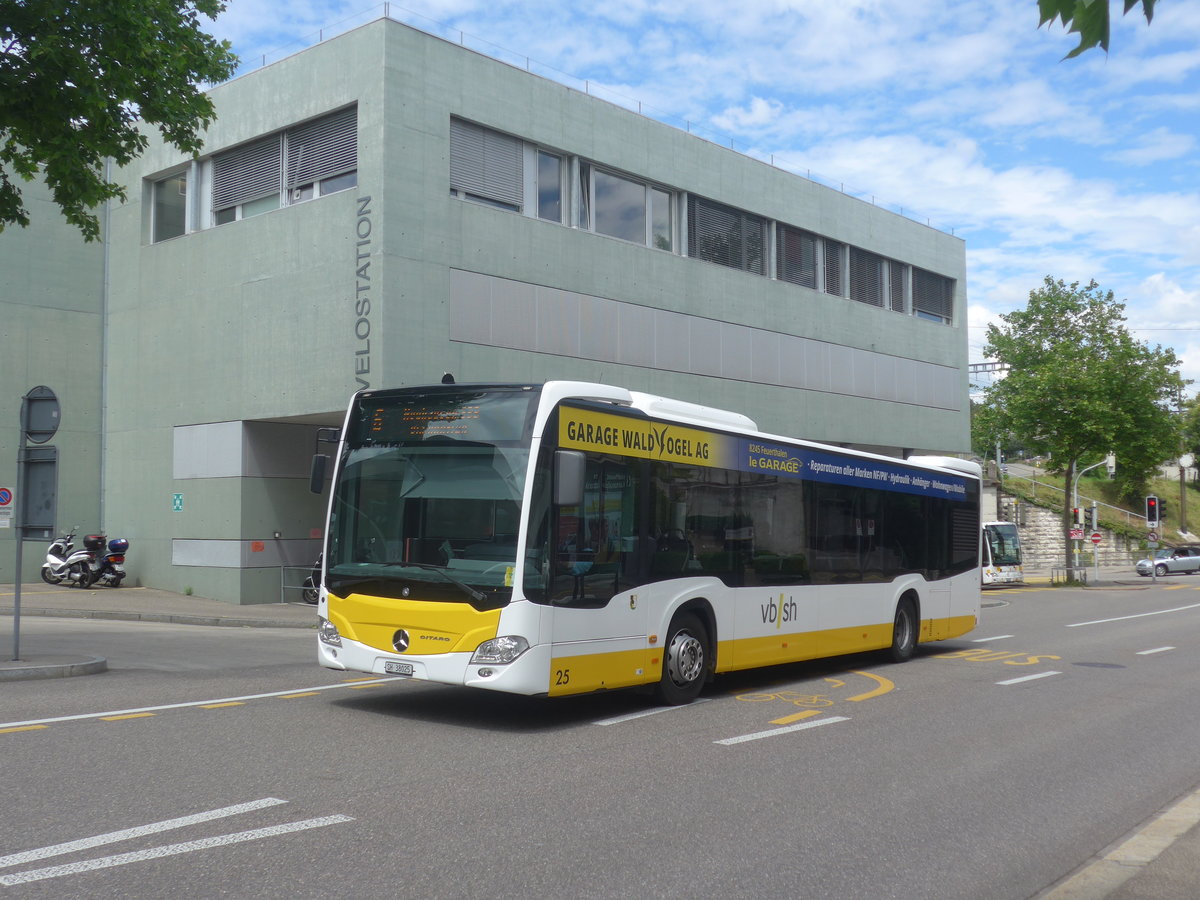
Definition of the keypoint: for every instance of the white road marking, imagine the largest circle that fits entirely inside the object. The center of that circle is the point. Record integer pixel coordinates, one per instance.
(998, 637)
(149, 709)
(629, 717)
(1029, 678)
(1158, 612)
(787, 729)
(107, 862)
(1155, 650)
(112, 837)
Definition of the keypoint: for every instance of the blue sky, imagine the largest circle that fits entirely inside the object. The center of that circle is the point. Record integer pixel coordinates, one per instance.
(961, 113)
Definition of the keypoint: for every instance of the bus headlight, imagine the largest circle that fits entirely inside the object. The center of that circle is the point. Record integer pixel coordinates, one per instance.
(499, 651)
(327, 633)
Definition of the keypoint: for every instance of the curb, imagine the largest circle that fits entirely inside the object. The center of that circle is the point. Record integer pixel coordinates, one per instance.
(170, 618)
(89, 665)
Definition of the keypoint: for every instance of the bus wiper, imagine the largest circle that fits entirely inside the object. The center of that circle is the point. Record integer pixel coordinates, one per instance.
(475, 595)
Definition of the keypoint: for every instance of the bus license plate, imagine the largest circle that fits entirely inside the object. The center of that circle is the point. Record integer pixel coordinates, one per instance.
(397, 668)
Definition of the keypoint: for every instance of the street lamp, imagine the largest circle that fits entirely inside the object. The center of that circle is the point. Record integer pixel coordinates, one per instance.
(1185, 462)
(1110, 462)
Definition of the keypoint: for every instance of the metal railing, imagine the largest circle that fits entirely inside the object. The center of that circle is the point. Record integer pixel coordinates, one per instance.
(292, 583)
(1112, 513)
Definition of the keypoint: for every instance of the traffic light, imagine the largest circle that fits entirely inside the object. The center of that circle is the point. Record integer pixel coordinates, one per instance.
(1076, 516)
(1152, 511)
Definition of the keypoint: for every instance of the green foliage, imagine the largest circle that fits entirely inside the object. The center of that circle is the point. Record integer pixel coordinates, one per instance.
(76, 79)
(1079, 385)
(1087, 18)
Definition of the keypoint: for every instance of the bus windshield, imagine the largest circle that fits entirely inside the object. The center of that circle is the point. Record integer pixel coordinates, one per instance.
(429, 492)
(1004, 544)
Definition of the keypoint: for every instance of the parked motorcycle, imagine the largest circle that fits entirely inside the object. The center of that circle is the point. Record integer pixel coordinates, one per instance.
(66, 564)
(108, 566)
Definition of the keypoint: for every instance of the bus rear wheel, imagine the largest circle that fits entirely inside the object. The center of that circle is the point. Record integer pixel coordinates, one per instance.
(685, 660)
(904, 631)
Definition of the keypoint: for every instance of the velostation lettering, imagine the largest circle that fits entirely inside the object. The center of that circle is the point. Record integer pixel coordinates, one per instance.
(362, 292)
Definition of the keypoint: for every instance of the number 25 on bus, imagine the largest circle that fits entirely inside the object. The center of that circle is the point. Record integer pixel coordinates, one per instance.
(568, 537)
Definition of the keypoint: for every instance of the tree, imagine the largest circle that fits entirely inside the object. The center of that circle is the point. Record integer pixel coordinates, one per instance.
(1087, 18)
(1080, 386)
(76, 78)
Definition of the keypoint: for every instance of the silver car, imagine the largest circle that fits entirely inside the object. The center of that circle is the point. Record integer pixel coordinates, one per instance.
(1171, 559)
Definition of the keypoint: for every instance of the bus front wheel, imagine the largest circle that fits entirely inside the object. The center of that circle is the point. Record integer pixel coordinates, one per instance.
(685, 660)
(904, 631)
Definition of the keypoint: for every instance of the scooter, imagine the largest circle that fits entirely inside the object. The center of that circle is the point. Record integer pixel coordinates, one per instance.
(108, 566)
(66, 564)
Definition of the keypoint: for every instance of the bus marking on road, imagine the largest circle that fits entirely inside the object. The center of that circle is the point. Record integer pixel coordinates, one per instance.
(787, 729)
(1024, 678)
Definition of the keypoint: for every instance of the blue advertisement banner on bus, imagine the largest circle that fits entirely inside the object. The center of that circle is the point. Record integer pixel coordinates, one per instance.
(669, 442)
(835, 468)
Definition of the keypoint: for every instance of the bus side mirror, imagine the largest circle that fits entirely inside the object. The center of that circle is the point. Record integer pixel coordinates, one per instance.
(569, 468)
(316, 475)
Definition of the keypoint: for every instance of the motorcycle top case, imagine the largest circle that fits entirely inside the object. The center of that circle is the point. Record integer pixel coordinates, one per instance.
(94, 542)
(118, 545)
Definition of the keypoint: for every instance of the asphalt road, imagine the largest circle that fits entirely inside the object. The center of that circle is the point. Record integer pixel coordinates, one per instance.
(214, 762)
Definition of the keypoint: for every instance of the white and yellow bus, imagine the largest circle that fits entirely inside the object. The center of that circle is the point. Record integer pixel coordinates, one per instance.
(1001, 554)
(569, 537)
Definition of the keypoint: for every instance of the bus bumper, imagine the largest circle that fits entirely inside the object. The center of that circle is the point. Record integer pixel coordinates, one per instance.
(528, 674)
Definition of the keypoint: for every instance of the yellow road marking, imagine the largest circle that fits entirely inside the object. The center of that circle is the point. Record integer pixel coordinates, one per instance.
(294, 696)
(23, 728)
(796, 717)
(367, 678)
(222, 705)
(884, 687)
(127, 716)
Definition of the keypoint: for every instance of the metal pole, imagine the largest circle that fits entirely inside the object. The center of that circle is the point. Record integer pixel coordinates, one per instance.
(19, 516)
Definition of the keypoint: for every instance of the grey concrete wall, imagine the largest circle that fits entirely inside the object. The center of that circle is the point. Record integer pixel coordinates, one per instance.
(51, 307)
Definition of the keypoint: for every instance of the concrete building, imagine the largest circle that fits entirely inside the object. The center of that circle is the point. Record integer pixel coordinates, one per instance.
(388, 206)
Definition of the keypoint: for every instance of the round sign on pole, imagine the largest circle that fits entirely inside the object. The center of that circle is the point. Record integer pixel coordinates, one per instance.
(1096, 537)
(39, 414)
(1152, 536)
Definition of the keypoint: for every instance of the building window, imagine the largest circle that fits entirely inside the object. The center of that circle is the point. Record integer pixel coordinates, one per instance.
(486, 166)
(170, 207)
(833, 267)
(796, 256)
(726, 236)
(619, 207)
(549, 187)
(322, 156)
(896, 292)
(246, 180)
(866, 277)
(310, 160)
(662, 224)
(624, 208)
(932, 296)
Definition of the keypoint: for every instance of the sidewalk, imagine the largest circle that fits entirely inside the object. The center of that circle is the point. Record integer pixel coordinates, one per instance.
(129, 604)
